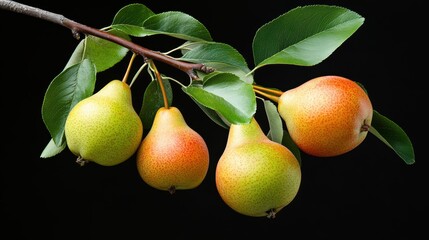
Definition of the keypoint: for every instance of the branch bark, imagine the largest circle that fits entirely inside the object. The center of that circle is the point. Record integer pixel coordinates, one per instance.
(78, 28)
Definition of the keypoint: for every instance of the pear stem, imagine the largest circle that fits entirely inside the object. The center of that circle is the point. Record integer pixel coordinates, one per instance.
(127, 73)
(266, 95)
(161, 84)
(268, 90)
(77, 28)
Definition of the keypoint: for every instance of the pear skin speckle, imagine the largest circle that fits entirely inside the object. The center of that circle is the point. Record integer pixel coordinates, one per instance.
(324, 116)
(256, 176)
(104, 128)
(172, 155)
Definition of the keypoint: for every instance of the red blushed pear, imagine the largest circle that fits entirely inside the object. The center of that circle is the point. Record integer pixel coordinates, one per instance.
(326, 116)
(172, 156)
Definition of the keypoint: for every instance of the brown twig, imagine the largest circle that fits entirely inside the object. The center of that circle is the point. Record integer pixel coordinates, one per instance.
(77, 29)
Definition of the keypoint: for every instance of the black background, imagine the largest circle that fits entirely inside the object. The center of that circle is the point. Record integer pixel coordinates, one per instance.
(369, 192)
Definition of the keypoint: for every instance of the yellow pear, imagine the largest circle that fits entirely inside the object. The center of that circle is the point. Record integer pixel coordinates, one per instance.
(326, 116)
(104, 128)
(172, 156)
(256, 176)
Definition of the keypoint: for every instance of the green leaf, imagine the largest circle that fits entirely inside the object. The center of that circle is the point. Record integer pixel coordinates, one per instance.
(213, 115)
(290, 144)
(130, 19)
(277, 133)
(393, 136)
(274, 121)
(77, 55)
(153, 100)
(225, 93)
(175, 24)
(220, 56)
(132, 14)
(65, 90)
(52, 149)
(304, 36)
(131, 30)
(104, 54)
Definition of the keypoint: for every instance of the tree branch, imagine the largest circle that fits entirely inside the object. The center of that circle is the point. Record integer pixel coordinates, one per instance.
(77, 28)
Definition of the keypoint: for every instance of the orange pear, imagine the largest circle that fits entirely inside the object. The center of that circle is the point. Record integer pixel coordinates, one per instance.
(256, 176)
(172, 156)
(326, 116)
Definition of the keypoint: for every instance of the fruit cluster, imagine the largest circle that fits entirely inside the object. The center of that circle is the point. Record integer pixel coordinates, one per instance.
(258, 174)
(255, 176)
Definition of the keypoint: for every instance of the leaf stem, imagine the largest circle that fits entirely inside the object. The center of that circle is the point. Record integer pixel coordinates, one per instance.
(138, 73)
(77, 28)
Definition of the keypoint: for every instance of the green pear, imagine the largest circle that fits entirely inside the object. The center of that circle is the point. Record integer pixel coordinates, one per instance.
(104, 128)
(256, 176)
(172, 156)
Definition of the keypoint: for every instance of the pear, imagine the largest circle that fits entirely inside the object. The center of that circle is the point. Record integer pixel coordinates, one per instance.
(104, 128)
(326, 116)
(256, 176)
(172, 156)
